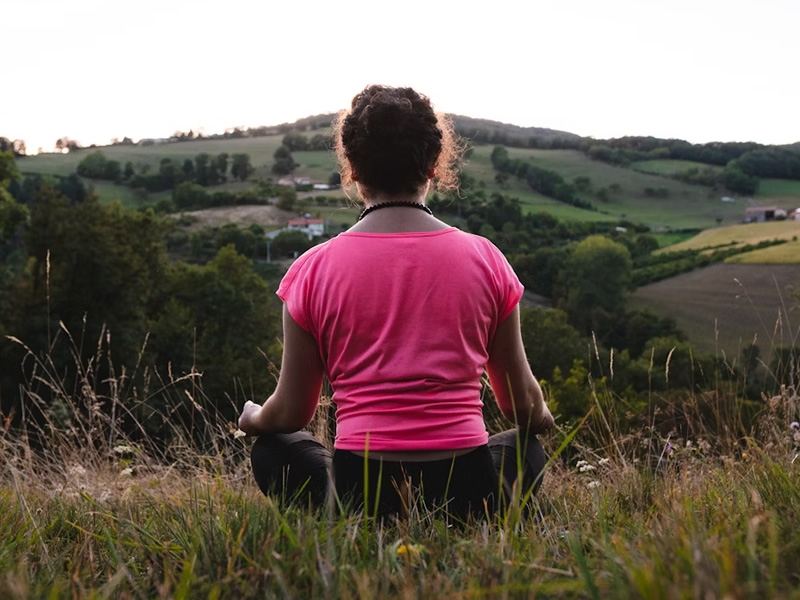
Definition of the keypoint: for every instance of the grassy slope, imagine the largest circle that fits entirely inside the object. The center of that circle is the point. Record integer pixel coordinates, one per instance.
(722, 307)
(783, 192)
(687, 206)
(624, 516)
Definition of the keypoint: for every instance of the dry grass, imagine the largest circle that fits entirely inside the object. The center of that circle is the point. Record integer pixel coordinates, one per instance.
(90, 507)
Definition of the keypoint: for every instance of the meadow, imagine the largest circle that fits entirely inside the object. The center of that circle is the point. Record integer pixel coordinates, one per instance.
(683, 206)
(710, 511)
(784, 192)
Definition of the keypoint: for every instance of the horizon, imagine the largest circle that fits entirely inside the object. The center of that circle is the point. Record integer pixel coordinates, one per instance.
(713, 71)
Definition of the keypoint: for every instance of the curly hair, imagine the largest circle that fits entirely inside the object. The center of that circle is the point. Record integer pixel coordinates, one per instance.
(392, 141)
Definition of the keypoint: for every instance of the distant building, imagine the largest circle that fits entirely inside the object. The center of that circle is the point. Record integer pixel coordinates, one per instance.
(760, 214)
(311, 227)
(294, 181)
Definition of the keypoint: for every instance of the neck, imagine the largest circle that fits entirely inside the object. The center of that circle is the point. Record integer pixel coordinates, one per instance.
(401, 199)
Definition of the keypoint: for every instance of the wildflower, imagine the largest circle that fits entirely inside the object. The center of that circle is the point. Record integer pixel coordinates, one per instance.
(123, 449)
(587, 467)
(238, 434)
(77, 470)
(794, 425)
(126, 472)
(604, 461)
(593, 484)
(409, 549)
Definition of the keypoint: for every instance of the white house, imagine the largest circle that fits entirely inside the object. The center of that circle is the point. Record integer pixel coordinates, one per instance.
(311, 227)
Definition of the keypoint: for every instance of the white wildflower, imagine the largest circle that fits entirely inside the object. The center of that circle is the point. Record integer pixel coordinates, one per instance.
(238, 434)
(77, 470)
(126, 472)
(604, 461)
(587, 467)
(123, 449)
(581, 463)
(593, 484)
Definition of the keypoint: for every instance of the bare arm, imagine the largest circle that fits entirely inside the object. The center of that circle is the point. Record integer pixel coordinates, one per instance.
(296, 396)
(518, 393)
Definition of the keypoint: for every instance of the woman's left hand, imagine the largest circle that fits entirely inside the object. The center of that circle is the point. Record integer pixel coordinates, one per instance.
(247, 420)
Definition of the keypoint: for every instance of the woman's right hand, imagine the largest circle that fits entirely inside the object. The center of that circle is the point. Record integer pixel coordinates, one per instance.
(247, 421)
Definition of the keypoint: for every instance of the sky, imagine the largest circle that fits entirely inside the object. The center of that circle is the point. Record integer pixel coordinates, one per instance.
(700, 70)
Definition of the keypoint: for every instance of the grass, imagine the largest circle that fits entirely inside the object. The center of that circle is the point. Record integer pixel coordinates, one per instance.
(670, 166)
(785, 191)
(710, 512)
(685, 205)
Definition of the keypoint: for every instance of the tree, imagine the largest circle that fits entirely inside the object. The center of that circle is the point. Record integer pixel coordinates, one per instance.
(128, 172)
(201, 162)
(170, 174)
(582, 183)
(12, 215)
(102, 266)
(287, 196)
(241, 168)
(597, 280)
(284, 162)
(222, 166)
(550, 341)
(67, 144)
(93, 166)
(188, 195)
(218, 319)
(289, 243)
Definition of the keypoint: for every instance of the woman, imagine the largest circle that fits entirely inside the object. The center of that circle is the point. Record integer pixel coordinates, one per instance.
(402, 313)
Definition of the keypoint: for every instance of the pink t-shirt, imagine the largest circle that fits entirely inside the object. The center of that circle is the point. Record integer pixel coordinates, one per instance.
(404, 322)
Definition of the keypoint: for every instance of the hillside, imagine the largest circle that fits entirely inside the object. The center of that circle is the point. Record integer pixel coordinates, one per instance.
(680, 205)
(724, 307)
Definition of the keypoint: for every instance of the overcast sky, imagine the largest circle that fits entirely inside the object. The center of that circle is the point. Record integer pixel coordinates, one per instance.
(701, 70)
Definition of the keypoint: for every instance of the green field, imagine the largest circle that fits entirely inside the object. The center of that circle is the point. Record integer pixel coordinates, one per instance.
(780, 190)
(670, 166)
(686, 206)
(725, 306)
(784, 193)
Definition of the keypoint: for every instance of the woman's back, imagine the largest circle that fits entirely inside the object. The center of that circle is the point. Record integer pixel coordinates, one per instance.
(404, 322)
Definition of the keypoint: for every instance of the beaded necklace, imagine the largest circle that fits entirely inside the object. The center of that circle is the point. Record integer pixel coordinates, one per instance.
(375, 207)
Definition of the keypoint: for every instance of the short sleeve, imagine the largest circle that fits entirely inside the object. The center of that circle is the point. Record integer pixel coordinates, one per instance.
(509, 287)
(294, 291)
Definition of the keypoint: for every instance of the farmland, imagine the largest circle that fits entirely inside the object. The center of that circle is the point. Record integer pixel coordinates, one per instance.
(747, 233)
(725, 306)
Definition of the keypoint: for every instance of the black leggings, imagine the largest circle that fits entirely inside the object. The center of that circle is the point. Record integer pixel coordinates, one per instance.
(297, 466)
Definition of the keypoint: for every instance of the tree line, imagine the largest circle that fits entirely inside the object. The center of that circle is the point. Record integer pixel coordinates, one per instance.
(204, 170)
(546, 182)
